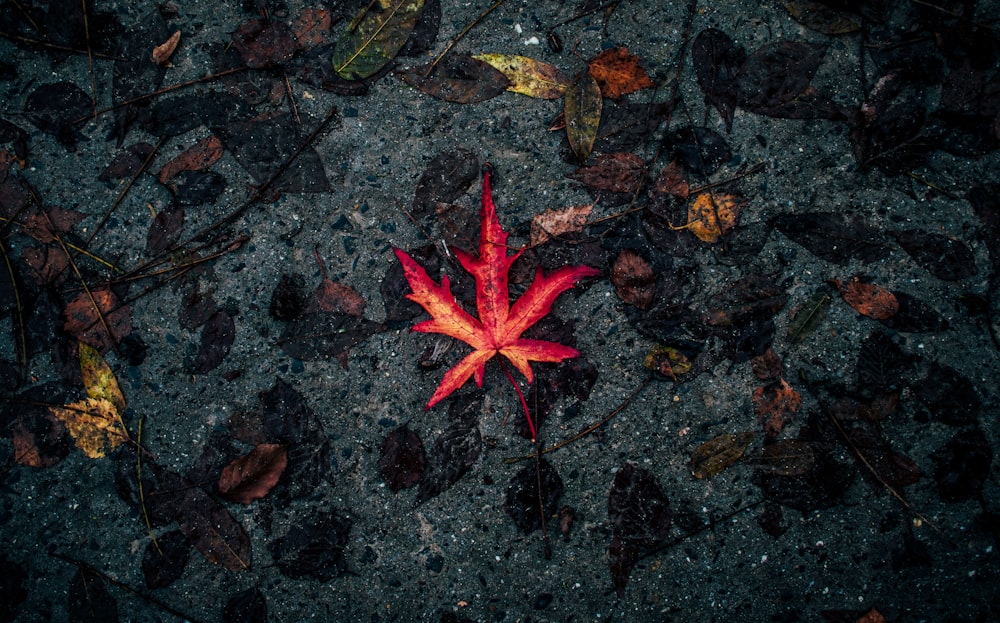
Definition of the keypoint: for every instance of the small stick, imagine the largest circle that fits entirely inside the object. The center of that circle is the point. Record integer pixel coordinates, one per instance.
(458, 38)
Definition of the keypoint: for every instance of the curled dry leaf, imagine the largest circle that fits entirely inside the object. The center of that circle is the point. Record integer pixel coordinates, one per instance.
(557, 222)
(633, 279)
(163, 52)
(252, 476)
(618, 72)
(868, 299)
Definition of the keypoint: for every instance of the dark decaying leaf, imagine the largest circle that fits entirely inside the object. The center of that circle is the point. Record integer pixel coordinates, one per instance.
(461, 79)
(252, 476)
(914, 316)
(701, 150)
(192, 188)
(836, 238)
(617, 173)
(455, 449)
(820, 17)
(523, 495)
(718, 453)
(985, 202)
(962, 465)
(162, 567)
(374, 37)
(582, 109)
(868, 440)
(894, 136)
(446, 178)
(882, 364)
(127, 163)
(176, 115)
(809, 316)
(249, 606)
(89, 600)
(314, 548)
(207, 524)
(217, 336)
(59, 109)
(39, 438)
(324, 335)
(134, 74)
(264, 43)
(402, 460)
(639, 513)
(717, 61)
(261, 146)
(165, 230)
(633, 279)
(288, 300)
(785, 457)
(776, 405)
(12, 588)
(774, 81)
(943, 256)
(197, 157)
(947, 396)
(83, 321)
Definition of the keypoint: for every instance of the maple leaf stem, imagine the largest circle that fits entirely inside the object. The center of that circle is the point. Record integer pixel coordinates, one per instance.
(524, 403)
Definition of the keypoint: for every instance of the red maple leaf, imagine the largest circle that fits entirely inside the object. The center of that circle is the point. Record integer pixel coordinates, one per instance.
(499, 326)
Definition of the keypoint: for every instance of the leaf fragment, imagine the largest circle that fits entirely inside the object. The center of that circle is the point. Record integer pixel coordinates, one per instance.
(617, 72)
(868, 299)
(718, 453)
(374, 37)
(528, 76)
(776, 405)
(633, 279)
(582, 110)
(458, 79)
(253, 475)
(163, 52)
(559, 221)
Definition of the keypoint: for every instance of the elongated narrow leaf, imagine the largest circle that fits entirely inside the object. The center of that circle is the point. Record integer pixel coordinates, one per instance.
(583, 114)
(528, 76)
(374, 37)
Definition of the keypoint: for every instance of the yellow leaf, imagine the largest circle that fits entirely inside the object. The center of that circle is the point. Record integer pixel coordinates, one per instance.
(98, 378)
(95, 425)
(528, 76)
(711, 215)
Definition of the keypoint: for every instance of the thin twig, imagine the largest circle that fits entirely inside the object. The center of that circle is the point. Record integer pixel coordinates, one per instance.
(121, 195)
(458, 37)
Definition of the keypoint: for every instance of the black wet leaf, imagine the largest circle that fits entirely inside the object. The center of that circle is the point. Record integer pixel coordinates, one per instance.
(262, 146)
(59, 108)
(822, 486)
(526, 503)
(775, 81)
(882, 364)
(13, 578)
(249, 606)
(134, 75)
(14, 136)
(402, 460)
(701, 150)
(626, 126)
(165, 230)
(217, 336)
(836, 238)
(717, 61)
(446, 178)
(914, 316)
(943, 256)
(455, 449)
(164, 561)
(326, 335)
(962, 465)
(891, 468)
(192, 188)
(893, 135)
(458, 78)
(177, 115)
(639, 513)
(314, 548)
(425, 32)
(89, 600)
(985, 202)
(127, 162)
(287, 418)
(948, 396)
(289, 298)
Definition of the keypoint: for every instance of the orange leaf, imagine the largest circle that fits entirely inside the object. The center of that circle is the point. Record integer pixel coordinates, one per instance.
(710, 215)
(499, 326)
(197, 157)
(87, 325)
(868, 299)
(618, 72)
(776, 405)
(163, 52)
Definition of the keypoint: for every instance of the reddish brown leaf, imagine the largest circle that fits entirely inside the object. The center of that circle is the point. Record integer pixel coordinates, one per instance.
(767, 365)
(45, 229)
(197, 157)
(264, 43)
(83, 321)
(253, 475)
(618, 173)
(458, 79)
(163, 52)
(671, 181)
(633, 279)
(312, 27)
(776, 405)
(48, 264)
(868, 299)
(331, 296)
(127, 163)
(618, 72)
